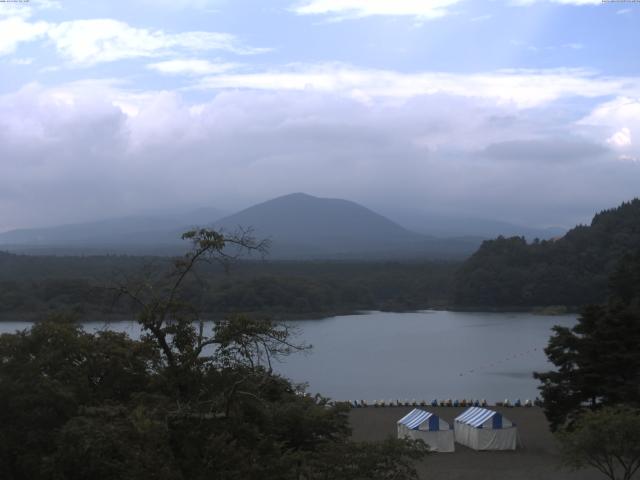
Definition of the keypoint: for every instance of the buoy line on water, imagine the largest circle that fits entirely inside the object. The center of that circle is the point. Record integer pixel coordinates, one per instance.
(497, 362)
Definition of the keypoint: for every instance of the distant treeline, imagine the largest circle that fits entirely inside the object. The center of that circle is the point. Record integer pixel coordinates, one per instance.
(571, 271)
(32, 287)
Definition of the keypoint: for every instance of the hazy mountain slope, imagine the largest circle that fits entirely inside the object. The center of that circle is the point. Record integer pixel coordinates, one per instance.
(301, 225)
(572, 270)
(456, 226)
(301, 218)
(134, 230)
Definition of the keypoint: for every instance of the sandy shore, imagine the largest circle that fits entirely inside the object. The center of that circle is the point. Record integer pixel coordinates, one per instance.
(537, 458)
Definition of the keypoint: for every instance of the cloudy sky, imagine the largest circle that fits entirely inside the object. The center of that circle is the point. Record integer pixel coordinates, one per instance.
(519, 110)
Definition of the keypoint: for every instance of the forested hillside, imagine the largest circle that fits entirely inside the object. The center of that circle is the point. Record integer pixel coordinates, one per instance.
(31, 287)
(572, 270)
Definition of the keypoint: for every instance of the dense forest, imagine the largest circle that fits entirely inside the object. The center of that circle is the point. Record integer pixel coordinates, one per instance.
(32, 287)
(572, 270)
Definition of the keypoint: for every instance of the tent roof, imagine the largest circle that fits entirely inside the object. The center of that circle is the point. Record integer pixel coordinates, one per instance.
(475, 416)
(415, 418)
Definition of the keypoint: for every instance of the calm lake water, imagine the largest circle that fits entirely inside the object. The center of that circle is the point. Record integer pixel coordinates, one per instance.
(420, 355)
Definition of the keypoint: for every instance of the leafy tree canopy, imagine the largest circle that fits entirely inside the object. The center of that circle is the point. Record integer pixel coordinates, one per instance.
(608, 440)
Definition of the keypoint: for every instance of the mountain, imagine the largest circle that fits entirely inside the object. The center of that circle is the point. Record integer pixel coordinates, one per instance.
(110, 235)
(572, 270)
(299, 226)
(303, 226)
(300, 219)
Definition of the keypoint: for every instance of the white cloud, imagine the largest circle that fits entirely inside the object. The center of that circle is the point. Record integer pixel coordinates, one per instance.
(21, 61)
(481, 18)
(27, 9)
(87, 42)
(523, 88)
(560, 2)
(182, 4)
(619, 122)
(15, 30)
(546, 48)
(343, 9)
(621, 138)
(192, 67)
(422, 9)
(46, 4)
(618, 113)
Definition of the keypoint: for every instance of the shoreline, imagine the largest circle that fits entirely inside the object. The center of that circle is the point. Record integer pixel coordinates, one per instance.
(35, 317)
(549, 310)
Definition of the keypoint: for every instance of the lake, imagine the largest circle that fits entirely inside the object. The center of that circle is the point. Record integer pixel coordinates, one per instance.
(419, 355)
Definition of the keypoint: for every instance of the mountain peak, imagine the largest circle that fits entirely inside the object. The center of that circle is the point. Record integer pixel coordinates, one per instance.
(295, 195)
(322, 225)
(300, 197)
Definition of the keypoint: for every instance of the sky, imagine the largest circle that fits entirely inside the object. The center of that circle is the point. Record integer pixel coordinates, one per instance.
(525, 111)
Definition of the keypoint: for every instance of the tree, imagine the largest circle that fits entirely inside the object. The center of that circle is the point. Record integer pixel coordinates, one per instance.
(49, 374)
(607, 439)
(598, 361)
(388, 459)
(180, 403)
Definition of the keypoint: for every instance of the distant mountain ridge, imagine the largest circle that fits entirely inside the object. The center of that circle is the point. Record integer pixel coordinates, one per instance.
(300, 216)
(456, 226)
(132, 230)
(300, 226)
(303, 226)
(572, 270)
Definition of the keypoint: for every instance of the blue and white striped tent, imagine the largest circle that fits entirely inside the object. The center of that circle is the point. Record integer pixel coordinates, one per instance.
(422, 425)
(484, 429)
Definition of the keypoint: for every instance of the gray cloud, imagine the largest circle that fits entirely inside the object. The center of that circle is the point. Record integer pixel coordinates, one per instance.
(71, 153)
(554, 150)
